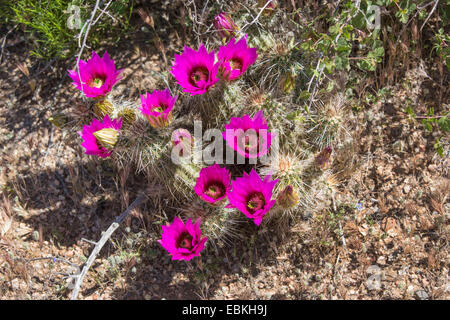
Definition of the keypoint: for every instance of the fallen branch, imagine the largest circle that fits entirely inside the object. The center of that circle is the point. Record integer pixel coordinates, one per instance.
(99, 245)
(344, 244)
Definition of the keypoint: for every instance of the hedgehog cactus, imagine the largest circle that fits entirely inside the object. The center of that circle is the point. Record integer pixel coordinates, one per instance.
(251, 83)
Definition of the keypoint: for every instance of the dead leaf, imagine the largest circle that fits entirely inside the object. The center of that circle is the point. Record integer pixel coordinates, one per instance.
(146, 17)
(32, 84)
(23, 67)
(391, 227)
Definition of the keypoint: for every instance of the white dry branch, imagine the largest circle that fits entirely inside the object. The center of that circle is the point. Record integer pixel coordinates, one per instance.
(100, 243)
(344, 244)
(85, 29)
(255, 20)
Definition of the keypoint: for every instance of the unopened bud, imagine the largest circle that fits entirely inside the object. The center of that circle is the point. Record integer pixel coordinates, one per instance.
(288, 197)
(225, 26)
(102, 108)
(128, 115)
(107, 137)
(323, 159)
(287, 83)
(58, 119)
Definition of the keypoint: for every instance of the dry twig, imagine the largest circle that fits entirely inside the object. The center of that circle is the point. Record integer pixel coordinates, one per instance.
(99, 245)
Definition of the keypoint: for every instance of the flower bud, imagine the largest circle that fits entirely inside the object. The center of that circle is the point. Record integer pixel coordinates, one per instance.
(225, 26)
(288, 197)
(287, 83)
(323, 159)
(102, 108)
(107, 137)
(128, 115)
(58, 120)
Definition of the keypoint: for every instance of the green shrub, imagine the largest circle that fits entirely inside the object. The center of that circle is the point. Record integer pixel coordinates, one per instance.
(55, 25)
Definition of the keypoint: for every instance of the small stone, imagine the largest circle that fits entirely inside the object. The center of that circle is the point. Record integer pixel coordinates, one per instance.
(268, 295)
(35, 235)
(422, 294)
(406, 189)
(381, 260)
(15, 284)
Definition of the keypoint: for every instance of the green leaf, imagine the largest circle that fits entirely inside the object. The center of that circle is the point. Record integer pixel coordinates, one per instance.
(427, 125)
(304, 95)
(444, 124)
(296, 116)
(438, 147)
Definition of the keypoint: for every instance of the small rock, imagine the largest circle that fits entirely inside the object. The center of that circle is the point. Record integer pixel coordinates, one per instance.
(35, 235)
(406, 189)
(15, 284)
(422, 294)
(381, 260)
(268, 295)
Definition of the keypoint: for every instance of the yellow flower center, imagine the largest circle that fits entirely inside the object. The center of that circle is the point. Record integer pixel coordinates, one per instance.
(96, 83)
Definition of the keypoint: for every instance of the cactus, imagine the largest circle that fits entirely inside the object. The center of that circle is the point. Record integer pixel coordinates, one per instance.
(272, 83)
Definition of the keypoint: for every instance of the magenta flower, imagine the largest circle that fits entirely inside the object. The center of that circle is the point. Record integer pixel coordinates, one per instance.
(195, 71)
(235, 58)
(252, 196)
(225, 26)
(181, 240)
(98, 76)
(100, 137)
(183, 140)
(157, 107)
(213, 184)
(249, 137)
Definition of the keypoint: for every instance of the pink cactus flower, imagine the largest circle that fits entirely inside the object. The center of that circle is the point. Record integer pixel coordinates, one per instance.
(252, 196)
(183, 140)
(183, 241)
(195, 71)
(235, 58)
(97, 75)
(157, 107)
(213, 184)
(249, 137)
(100, 136)
(225, 26)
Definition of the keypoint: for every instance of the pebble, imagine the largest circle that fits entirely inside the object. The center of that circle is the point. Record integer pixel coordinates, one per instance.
(422, 294)
(381, 260)
(35, 235)
(406, 189)
(268, 295)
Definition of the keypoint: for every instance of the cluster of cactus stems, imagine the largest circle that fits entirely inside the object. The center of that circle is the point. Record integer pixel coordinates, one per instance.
(253, 81)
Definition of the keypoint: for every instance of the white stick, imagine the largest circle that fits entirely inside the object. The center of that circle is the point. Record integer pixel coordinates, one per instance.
(99, 244)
